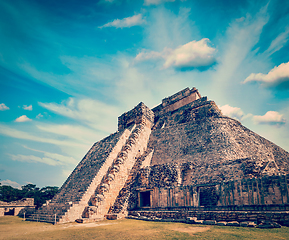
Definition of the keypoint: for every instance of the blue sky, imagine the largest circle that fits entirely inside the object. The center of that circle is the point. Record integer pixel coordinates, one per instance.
(68, 69)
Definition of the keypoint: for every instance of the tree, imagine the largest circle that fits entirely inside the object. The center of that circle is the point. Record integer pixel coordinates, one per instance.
(9, 194)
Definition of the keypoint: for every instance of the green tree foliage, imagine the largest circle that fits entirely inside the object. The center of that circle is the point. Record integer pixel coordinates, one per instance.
(8, 193)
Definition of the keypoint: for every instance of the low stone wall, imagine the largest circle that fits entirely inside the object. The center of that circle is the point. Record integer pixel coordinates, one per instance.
(22, 202)
(281, 217)
(16, 207)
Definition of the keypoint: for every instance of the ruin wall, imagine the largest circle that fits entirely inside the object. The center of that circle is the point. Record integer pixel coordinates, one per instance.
(15, 207)
(268, 190)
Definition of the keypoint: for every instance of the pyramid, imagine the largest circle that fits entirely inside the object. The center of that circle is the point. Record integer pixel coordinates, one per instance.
(182, 153)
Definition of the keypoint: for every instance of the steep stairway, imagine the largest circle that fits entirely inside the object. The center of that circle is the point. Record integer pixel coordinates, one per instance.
(75, 193)
(117, 175)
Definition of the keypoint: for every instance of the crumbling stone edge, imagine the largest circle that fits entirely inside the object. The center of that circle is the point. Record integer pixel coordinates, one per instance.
(194, 220)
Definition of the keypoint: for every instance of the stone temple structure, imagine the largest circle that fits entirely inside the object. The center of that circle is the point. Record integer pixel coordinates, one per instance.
(183, 158)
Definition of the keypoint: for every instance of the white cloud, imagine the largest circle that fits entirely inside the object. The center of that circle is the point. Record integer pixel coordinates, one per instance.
(194, 54)
(125, 22)
(58, 159)
(277, 77)
(39, 116)
(5, 130)
(156, 2)
(83, 134)
(10, 183)
(93, 113)
(145, 55)
(23, 118)
(271, 118)
(233, 112)
(25, 107)
(235, 50)
(278, 42)
(66, 173)
(32, 158)
(3, 107)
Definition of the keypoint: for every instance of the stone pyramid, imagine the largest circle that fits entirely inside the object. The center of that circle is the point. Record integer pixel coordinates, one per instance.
(169, 156)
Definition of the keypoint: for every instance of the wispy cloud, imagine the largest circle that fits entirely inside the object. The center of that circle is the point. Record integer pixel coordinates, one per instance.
(32, 158)
(79, 133)
(11, 132)
(236, 47)
(270, 118)
(57, 159)
(3, 107)
(278, 77)
(91, 112)
(156, 2)
(278, 42)
(23, 118)
(126, 22)
(194, 54)
(39, 116)
(29, 108)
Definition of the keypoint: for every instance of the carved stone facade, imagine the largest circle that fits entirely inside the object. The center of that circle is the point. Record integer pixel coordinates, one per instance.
(16, 207)
(184, 155)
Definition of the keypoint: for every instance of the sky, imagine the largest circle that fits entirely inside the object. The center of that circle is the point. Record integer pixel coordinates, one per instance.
(68, 69)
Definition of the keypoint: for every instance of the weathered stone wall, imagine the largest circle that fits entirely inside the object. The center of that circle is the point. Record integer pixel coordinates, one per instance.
(216, 149)
(22, 202)
(267, 190)
(242, 215)
(135, 116)
(177, 101)
(16, 206)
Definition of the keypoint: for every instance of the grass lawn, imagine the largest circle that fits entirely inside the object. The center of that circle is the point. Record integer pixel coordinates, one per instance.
(15, 228)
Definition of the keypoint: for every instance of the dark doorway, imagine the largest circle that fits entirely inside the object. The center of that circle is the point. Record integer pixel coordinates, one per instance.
(208, 196)
(145, 199)
(9, 211)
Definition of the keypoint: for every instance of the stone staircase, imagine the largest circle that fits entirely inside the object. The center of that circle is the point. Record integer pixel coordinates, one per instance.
(75, 193)
(127, 194)
(94, 185)
(108, 190)
(85, 197)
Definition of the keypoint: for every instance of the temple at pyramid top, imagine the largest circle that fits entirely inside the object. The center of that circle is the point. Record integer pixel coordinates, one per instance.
(168, 104)
(179, 99)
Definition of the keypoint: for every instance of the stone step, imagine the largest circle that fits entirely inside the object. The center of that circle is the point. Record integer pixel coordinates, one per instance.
(43, 218)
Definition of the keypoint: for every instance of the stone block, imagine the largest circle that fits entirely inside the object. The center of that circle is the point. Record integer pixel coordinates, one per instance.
(234, 224)
(221, 223)
(268, 224)
(209, 222)
(252, 224)
(199, 221)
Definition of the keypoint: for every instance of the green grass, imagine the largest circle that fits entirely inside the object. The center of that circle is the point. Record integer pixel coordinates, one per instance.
(15, 228)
